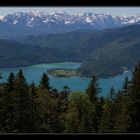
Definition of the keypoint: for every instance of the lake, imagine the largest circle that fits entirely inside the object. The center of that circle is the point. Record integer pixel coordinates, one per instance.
(34, 73)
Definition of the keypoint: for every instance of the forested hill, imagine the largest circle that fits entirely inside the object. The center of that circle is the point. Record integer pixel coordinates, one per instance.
(120, 50)
(103, 53)
(14, 53)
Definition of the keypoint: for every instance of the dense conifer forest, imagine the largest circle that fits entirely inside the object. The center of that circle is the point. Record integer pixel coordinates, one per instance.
(27, 108)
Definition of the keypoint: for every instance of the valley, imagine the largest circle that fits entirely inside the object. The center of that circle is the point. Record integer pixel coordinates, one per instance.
(103, 53)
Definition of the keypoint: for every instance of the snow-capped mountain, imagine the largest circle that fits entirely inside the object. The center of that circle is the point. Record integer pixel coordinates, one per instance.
(42, 22)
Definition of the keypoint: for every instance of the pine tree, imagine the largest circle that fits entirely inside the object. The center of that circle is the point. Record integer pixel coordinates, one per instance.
(107, 120)
(135, 88)
(93, 90)
(23, 99)
(122, 119)
(50, 112)
(33, 90)
(10, 82)
(34, 111)
(8, 105)
(53, 109)
(126, 85)
(99, 112)
(111, 94)
(44, 83)
(9, 112)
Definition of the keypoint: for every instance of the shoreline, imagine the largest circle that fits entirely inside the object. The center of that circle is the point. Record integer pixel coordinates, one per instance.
(34, 65)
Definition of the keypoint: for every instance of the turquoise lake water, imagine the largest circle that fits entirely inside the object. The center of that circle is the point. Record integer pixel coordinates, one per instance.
(34, 73)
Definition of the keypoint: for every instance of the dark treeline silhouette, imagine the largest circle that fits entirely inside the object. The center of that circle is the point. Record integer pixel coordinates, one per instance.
(27, 108)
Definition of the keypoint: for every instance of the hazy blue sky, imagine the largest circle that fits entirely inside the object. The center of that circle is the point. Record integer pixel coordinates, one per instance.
(111, 10)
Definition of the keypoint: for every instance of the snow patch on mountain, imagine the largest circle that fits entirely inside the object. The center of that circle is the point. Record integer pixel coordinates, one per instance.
(1, 17)
(15, 22)
(88, 20)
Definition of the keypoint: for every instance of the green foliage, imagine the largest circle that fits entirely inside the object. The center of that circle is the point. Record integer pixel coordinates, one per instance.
(34, 109)
(8, 112)
(125, 84)
(80, 114)
(21, 90)
(134, 100)
(51, 112)
(93, 91)
(109, 113)
(122, 119)
(107, 120)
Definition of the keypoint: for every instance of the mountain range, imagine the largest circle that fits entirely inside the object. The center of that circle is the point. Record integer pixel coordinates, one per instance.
(38, 22)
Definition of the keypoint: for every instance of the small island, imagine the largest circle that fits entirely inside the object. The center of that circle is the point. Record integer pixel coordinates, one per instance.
(62, 72)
